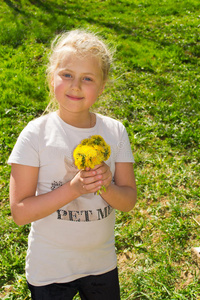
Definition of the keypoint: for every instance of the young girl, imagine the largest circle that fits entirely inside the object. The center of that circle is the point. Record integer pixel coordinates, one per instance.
(71, 242)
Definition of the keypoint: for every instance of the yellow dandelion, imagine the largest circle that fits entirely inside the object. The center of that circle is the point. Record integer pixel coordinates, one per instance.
(91, 152)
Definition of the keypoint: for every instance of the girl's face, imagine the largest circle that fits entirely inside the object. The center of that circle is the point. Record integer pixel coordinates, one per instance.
(77, 83)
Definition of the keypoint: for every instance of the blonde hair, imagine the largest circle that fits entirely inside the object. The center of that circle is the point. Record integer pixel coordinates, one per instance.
(83, 43)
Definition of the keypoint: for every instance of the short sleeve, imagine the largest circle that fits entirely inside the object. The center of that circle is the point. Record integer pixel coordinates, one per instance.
(124, 151)
(25, 151)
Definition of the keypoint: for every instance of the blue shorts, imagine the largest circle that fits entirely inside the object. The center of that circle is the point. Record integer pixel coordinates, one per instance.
(98, 287)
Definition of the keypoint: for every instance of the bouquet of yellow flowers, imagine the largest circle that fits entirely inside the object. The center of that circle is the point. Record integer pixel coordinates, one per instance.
(91, 152)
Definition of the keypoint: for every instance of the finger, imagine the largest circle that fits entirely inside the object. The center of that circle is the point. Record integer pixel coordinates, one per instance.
(101, 169)
(93, 187)
(87, 173)
(97, 167)
(105, 171)
(92, 179)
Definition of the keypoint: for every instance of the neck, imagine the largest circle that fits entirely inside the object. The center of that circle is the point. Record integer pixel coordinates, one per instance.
(87, 120)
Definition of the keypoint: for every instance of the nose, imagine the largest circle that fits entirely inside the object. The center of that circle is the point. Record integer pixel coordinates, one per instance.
(76, 84)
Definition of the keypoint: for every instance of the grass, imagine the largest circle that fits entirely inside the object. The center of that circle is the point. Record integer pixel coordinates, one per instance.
(154, 90)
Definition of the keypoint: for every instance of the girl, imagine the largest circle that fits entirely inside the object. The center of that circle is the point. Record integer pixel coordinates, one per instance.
(71, 242)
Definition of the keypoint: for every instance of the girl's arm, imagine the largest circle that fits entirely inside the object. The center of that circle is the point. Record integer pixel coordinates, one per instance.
(123, 194)
(26, 207)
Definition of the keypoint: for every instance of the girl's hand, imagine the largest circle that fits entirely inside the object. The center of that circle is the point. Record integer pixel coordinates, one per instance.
(104, 171)
(91, 180)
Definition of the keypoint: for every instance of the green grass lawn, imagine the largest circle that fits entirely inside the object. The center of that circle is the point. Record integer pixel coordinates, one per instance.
(154, 90)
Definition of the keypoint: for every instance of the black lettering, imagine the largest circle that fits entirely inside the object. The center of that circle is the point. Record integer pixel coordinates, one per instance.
(87, 218)
(105, 213)
(61, 213)
(73, 215)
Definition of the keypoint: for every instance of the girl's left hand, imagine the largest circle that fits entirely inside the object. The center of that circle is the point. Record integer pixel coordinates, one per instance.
(103, 170)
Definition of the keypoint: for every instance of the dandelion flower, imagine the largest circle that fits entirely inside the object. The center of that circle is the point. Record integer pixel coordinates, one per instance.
(91, 152)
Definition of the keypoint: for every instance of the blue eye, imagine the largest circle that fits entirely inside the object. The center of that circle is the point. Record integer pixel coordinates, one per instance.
(67, 75)
(87, 79)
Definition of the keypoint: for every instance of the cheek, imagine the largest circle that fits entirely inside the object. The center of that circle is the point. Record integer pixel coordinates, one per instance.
(58, 86)
(93, 92)
(93, 95)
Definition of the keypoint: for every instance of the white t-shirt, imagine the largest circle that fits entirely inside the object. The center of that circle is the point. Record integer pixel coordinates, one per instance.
(78, 239)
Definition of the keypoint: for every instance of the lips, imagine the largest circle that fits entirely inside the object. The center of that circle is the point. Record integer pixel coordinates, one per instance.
(74, 98)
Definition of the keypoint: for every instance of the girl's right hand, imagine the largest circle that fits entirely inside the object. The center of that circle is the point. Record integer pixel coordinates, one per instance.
(26, 207)
(87, 181)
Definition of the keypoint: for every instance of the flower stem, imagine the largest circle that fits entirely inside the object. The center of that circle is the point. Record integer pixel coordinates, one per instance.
(103, 188)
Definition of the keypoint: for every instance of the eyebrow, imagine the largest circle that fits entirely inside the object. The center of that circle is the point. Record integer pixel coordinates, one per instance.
(85, 73)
